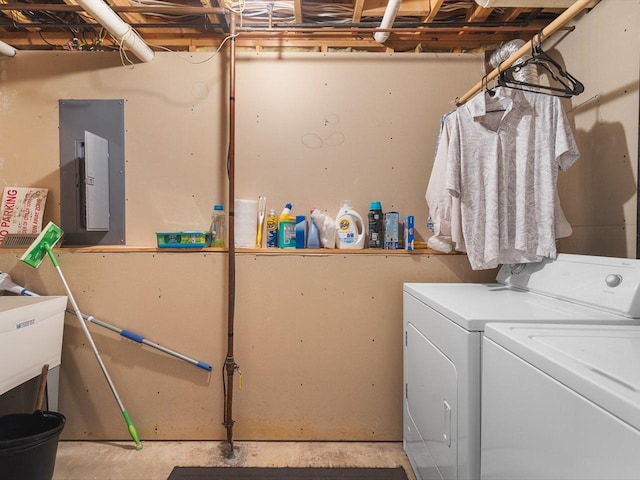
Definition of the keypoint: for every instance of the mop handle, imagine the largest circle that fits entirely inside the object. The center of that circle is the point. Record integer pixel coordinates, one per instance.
(132, 429)
(140, 339)
(125, 333)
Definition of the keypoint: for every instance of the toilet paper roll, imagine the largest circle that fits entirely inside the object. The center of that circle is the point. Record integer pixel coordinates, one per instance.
(246, 223)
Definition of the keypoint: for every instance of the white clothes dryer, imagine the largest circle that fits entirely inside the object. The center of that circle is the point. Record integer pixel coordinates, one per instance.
(560, 402)
(443, 330)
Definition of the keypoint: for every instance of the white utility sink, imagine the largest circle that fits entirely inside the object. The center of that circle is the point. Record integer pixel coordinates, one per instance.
(30, 337)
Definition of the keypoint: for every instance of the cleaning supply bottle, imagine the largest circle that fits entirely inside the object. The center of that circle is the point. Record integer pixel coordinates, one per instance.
(217, 227)
(326, 228)
(314, 236)
(350, 227)
(287, 228)
(272, 229)
(376, 225)
(301, 231)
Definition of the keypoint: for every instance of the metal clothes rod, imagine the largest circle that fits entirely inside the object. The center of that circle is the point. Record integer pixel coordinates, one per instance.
(546, 32)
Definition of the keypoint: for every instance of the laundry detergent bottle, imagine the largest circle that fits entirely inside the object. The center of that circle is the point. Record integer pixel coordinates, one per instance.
(350, 229)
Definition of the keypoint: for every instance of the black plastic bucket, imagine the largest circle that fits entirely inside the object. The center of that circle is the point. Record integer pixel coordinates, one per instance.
(28, 445)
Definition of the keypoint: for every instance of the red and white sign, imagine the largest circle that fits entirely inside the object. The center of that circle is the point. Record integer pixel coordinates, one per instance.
(21, 210)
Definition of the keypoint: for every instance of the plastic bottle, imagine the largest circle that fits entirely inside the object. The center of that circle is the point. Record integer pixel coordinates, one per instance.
(287, 228)
(376, 225)
(301, 231)
(217, 227)
(326, 228)
(350, 227)
(314, 236)
(272, 229)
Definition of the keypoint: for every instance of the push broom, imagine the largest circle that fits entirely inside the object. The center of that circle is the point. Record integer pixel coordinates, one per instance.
(33, 257)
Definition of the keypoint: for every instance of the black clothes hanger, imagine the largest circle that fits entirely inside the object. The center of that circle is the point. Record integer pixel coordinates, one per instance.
(566, 85)
(485, 87)
(491, 92)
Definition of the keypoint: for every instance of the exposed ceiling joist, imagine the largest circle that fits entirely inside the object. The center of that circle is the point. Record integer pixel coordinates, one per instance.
(358, 6)
(421, 25)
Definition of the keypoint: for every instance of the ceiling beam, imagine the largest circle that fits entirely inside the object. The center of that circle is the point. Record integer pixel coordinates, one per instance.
(443, 41)
(216, 18)
(410, 8)
(128, 17)
(343, 30)
(18, 16)
(72, 6)
(197, 23)
(479, 14)
(511, 15)
(358, 6)
(297, 9)
(434, 8)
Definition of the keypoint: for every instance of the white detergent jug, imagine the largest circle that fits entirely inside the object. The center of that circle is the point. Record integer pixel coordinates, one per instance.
(350, 230)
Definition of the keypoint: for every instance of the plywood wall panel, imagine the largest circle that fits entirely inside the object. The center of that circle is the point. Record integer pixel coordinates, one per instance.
(311, 129)
(318, 340)
(385, 108)
(325, 341)
(318, 336)
(318, 129)
(178, 301)
(599, 192)
(175, 131)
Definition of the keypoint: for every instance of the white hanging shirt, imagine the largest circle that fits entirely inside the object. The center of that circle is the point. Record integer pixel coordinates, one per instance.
(444, 209)
(504, 154)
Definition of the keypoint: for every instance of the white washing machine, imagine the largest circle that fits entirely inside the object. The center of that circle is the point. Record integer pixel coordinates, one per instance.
(443, 330)
(560, 402)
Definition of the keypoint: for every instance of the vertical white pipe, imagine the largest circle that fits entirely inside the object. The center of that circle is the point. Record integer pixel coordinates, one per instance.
(387, 20)
(6, 49)
(118, 28)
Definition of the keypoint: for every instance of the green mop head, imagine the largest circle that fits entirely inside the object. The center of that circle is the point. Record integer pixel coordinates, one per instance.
(50, 235)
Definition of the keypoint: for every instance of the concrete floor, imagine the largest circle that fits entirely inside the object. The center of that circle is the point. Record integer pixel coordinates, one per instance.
(120, 460)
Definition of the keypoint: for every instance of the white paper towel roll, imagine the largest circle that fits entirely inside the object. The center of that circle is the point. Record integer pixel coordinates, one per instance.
(246, 223)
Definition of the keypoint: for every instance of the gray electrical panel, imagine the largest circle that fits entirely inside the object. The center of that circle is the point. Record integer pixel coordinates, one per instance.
(92, 195)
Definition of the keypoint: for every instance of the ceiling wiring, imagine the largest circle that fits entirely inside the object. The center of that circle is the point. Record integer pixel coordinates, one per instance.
(183, 24)
(259, 9)
(236, 6)
(193, 62)
(166, 14)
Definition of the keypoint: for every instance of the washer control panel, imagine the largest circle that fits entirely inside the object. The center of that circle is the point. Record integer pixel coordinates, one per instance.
(607, 283)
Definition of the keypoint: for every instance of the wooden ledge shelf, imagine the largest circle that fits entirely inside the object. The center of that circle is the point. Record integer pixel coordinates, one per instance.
(239, 251)
(335, 251)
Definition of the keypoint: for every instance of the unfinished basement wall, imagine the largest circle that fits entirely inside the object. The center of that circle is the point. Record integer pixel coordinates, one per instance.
(319, 337)
(599, 191)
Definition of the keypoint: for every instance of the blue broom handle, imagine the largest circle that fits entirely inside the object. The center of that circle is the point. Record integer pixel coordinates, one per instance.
(130, 335)
(140, 339)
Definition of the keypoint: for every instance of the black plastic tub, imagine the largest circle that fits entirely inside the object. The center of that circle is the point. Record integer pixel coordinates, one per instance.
(28, 445)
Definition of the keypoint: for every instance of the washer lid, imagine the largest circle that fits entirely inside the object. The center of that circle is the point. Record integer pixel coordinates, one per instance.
(472, 305)
(601, 363)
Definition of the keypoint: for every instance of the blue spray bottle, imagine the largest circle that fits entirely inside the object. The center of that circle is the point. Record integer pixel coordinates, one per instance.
(314, 237)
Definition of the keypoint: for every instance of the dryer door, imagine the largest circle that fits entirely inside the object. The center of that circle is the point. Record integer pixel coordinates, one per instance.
(431, 402)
